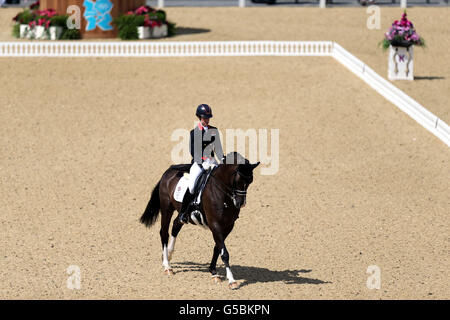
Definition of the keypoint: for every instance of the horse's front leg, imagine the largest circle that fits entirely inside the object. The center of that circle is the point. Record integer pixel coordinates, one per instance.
(220, 234)
(226, 260)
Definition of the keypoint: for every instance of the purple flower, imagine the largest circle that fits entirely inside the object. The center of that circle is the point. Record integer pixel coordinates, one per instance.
(415, 37)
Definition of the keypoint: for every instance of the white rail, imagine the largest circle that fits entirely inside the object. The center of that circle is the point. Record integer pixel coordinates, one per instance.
(233, 48)
(66, 49)
(242, 3)
(404, 102)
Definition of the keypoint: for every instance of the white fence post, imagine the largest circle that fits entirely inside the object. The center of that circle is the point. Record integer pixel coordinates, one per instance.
(403, 4)
(242, 3)
(160, 3)
(322, 4)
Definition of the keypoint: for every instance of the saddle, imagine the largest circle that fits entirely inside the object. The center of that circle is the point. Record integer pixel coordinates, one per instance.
(202, 180)
(200, 184)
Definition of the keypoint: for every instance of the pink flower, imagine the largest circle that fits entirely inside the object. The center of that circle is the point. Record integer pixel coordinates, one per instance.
(48, 13)
(51, 13)
(141, 10)
(415, 37)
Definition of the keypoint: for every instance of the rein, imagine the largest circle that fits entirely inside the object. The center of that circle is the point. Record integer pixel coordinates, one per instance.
(232, 192)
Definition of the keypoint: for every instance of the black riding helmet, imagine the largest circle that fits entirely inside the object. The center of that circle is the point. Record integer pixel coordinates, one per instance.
(204, 111)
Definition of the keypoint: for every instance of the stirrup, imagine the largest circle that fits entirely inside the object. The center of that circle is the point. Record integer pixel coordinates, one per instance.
(184, 216)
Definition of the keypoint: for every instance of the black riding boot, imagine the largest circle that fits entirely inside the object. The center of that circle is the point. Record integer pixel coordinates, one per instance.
(185, 207)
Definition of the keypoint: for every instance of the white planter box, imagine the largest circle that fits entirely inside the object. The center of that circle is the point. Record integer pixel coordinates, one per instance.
(159, 32)
(401, 63)
(55, 33)
(144, 32)
(24, 31)
(40, 33)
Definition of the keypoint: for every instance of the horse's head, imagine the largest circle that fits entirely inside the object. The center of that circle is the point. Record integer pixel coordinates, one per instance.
(244, 177)
(241, 172)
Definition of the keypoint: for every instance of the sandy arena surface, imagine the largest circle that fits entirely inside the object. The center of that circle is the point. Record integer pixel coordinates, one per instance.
(84, 141)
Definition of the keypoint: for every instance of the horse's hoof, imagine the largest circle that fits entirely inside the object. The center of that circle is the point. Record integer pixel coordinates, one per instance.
(216, 279)
(169, 272)
(233, 285)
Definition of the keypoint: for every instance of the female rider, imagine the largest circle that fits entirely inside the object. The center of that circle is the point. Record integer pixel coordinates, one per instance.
(204, 146)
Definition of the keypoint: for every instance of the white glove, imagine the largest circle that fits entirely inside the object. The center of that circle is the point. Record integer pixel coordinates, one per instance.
(206, 165)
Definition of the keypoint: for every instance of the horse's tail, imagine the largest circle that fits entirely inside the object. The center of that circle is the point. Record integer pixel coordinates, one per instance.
(152, 210)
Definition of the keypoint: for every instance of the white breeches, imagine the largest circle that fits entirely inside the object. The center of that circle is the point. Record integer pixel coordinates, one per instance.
(196, 170)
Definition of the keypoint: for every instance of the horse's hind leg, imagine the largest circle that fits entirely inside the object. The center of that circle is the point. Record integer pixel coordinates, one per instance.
(166, 215)
(175, 230)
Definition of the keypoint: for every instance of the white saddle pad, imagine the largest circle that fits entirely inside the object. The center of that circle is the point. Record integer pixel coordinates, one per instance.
(180, 189)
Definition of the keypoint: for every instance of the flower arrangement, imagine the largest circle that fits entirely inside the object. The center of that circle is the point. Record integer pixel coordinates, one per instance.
(144, 16)
(402, 34)
(42, 21)
(42, 18)
(24, 17)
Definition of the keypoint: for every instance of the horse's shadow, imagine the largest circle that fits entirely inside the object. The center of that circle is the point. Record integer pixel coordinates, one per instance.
(251, 275)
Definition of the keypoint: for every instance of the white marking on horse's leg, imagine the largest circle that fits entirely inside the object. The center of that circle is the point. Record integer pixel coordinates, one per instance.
(165, 262)
(171, 248)
(230, 275)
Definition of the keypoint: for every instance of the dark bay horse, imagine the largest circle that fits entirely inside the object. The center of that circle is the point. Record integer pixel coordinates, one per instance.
(222, 198)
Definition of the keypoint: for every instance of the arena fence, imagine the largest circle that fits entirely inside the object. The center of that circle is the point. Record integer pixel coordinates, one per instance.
(165, 49)
(234, 48)
(404, 102)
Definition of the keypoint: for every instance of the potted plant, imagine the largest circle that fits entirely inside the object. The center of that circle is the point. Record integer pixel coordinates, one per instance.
(156, 20)
(41, 24)
(143, 23)
(400, 40)
(45, 24)
(128, 26)
(22, 20)
(57, 25)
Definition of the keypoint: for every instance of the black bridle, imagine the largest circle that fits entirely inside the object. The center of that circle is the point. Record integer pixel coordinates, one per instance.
(233, 192)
